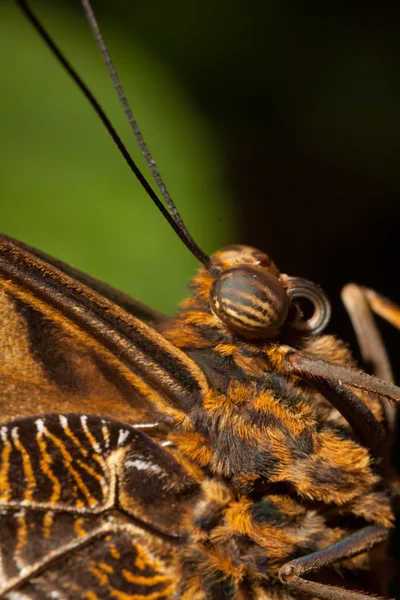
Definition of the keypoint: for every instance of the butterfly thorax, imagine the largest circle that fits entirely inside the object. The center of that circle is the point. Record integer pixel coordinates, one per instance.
(291, 475)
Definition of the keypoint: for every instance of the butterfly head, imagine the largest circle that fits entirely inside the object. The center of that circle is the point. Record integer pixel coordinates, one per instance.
(247, 293)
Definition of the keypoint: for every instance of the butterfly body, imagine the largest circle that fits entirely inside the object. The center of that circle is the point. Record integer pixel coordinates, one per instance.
(159, 457)
(231, 452)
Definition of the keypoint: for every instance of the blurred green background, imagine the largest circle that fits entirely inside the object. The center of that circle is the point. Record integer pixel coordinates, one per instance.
(65, 187)
(275, 124)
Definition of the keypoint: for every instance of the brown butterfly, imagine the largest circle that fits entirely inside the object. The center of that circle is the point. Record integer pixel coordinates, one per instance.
(230, 452)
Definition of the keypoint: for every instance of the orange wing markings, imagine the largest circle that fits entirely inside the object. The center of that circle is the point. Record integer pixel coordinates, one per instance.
(103, 571)
(45, 464)
(93, 473)
(118, 575)
(141, 580)
(52, 529)
(28, 572)
(91, 438)
(161, 595)
(78, 527)
(99, 573)
(114, 552)
(68, 461)
(143, 560)
(89, 595)
(97, 454)
(22, 533)
(106, 567)
(72, 436)
(27, 466)
(48, 520)
(5, 489)
(106, 434)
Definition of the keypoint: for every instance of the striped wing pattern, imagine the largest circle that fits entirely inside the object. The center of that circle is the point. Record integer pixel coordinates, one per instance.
(76, 518)
(62, 341)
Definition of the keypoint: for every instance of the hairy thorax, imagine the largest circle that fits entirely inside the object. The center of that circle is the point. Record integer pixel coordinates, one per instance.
(285, 474)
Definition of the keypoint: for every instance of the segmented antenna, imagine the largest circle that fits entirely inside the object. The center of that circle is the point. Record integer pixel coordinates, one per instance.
(173, 217)
(129, 114)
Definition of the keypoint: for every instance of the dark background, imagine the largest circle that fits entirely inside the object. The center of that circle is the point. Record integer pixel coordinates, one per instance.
(287, 116)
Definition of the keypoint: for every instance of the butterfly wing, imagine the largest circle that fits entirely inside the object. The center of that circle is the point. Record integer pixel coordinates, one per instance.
(65, 346)
(89, 508)
(130, 305)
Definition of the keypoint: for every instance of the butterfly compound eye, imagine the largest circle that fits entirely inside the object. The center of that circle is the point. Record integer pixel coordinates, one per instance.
(249, 300)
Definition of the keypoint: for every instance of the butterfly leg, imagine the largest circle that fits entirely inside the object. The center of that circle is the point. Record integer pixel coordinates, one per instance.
(383, 307)
(329, 378)
(361, 303)
(292, 573)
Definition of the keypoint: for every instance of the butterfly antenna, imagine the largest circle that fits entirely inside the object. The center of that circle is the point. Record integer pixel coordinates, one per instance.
(173, 217)
(129, 114)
